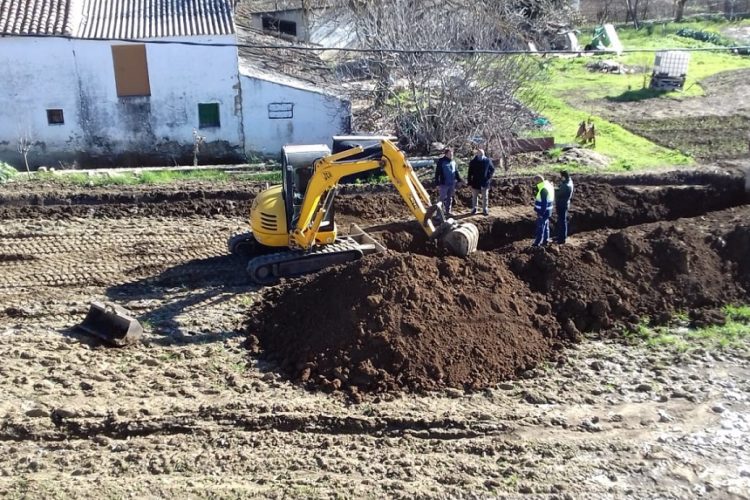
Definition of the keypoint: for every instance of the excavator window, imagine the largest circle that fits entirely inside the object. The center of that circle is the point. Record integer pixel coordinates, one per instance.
(298, 177)
(301, 178)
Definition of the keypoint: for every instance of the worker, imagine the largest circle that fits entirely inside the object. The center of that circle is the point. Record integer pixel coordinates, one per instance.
(563, 195)
(481, 170)
(543, 201)
(447, 178)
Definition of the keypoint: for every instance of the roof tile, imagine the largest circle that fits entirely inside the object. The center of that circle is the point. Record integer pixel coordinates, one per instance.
(35, 17)
(116, 18)
(155, 18)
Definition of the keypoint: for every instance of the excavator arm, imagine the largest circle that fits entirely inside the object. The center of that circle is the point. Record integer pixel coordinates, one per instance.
(461, 239)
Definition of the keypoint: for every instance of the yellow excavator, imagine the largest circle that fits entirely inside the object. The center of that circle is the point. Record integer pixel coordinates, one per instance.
(292, 225)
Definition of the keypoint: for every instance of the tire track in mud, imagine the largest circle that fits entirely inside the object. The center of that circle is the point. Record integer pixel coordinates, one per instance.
(208, 420)
(94, 257)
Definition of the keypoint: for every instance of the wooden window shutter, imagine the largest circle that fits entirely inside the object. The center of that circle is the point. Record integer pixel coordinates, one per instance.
(131, 70)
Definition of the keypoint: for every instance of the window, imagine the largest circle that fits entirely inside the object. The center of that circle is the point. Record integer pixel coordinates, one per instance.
(280, 110)
(279, 26)
(131, 70)
(208, 115)
(55, 117)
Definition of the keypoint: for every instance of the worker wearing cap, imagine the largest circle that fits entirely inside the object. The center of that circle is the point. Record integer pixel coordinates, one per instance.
(544, 199)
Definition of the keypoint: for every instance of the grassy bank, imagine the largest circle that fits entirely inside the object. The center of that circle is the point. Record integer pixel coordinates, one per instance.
(571, 86)
(734, 332)
(148, 177)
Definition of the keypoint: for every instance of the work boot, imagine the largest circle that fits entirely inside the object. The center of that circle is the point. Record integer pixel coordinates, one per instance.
(473, 211)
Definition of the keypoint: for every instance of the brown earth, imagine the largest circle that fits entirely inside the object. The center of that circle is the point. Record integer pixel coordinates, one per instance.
(415, 322)
(188, 412)
(406, 322)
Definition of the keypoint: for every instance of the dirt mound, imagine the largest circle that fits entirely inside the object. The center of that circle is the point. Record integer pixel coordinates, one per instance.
(406, 322)
(735, 247)
(631, 274)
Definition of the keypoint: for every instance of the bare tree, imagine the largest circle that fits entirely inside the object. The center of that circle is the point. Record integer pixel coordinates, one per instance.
(443, 96)
(24, 146)
(679, 10)
(198, 141)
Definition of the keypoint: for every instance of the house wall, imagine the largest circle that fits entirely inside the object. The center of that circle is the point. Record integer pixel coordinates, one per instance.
(326, 27)
(104, 129)
(296, 16)
(38, 74)
(316, 117)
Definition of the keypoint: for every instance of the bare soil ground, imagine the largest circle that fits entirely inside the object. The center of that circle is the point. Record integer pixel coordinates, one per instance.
(710, 127)
(192, 412)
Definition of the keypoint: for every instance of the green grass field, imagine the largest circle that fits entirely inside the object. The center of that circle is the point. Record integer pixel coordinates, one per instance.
(734, 332)
(569, 76)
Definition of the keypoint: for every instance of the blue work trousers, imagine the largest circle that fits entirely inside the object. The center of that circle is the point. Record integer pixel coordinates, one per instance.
(446, 196)
(542, 228)
(562, 223)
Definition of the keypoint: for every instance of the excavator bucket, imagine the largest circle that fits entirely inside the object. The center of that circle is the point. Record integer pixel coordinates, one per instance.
(461, 239)
(112, 324)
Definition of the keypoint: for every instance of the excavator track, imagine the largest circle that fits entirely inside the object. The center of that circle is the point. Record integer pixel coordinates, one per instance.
(268, 269)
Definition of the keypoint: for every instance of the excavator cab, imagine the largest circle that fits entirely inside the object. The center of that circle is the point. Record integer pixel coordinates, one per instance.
(297, 168)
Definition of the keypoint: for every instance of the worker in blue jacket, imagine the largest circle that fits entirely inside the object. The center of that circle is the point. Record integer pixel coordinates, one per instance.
(544, 199)
(447, 178)
(563, 195)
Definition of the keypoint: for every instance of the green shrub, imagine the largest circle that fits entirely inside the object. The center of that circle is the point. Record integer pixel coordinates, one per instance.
(6, 172)
(710, 37)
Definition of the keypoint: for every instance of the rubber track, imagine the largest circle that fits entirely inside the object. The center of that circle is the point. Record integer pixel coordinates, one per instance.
(292, 255)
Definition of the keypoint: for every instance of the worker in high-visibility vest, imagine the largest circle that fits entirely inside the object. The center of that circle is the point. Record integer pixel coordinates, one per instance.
(544, 199)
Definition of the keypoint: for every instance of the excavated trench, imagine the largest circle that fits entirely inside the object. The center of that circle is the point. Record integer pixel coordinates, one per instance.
(417, 319)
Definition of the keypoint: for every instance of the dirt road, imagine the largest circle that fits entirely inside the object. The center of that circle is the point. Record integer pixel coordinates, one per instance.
(191, 413)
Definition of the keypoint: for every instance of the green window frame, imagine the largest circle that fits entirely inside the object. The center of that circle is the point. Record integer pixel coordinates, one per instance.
(208, 115)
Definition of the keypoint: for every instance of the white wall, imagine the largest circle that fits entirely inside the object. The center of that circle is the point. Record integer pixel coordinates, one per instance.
(78, 76)
(37, 74)
(317, 117)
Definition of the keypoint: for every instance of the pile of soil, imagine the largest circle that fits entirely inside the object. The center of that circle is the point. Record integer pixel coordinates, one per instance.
(653, 271)
(421, 322)
(412, 322)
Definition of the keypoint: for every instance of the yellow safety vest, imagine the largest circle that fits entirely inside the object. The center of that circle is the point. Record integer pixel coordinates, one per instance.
(550, 195)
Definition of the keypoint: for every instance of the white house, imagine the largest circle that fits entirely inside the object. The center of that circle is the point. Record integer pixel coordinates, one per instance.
(297, 105)
(127, 82)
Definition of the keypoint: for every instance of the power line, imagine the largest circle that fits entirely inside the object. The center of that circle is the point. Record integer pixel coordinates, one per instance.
(386, 50)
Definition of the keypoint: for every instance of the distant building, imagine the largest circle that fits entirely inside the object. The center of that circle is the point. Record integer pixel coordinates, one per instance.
(94, 81)
(321, 22)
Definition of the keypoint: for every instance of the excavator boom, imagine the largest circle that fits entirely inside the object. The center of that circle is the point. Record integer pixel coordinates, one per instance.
(329, 171)
(309, 248)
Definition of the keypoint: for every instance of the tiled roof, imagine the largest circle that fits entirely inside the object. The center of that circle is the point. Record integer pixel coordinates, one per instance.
(155, 18)
(35, 17)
